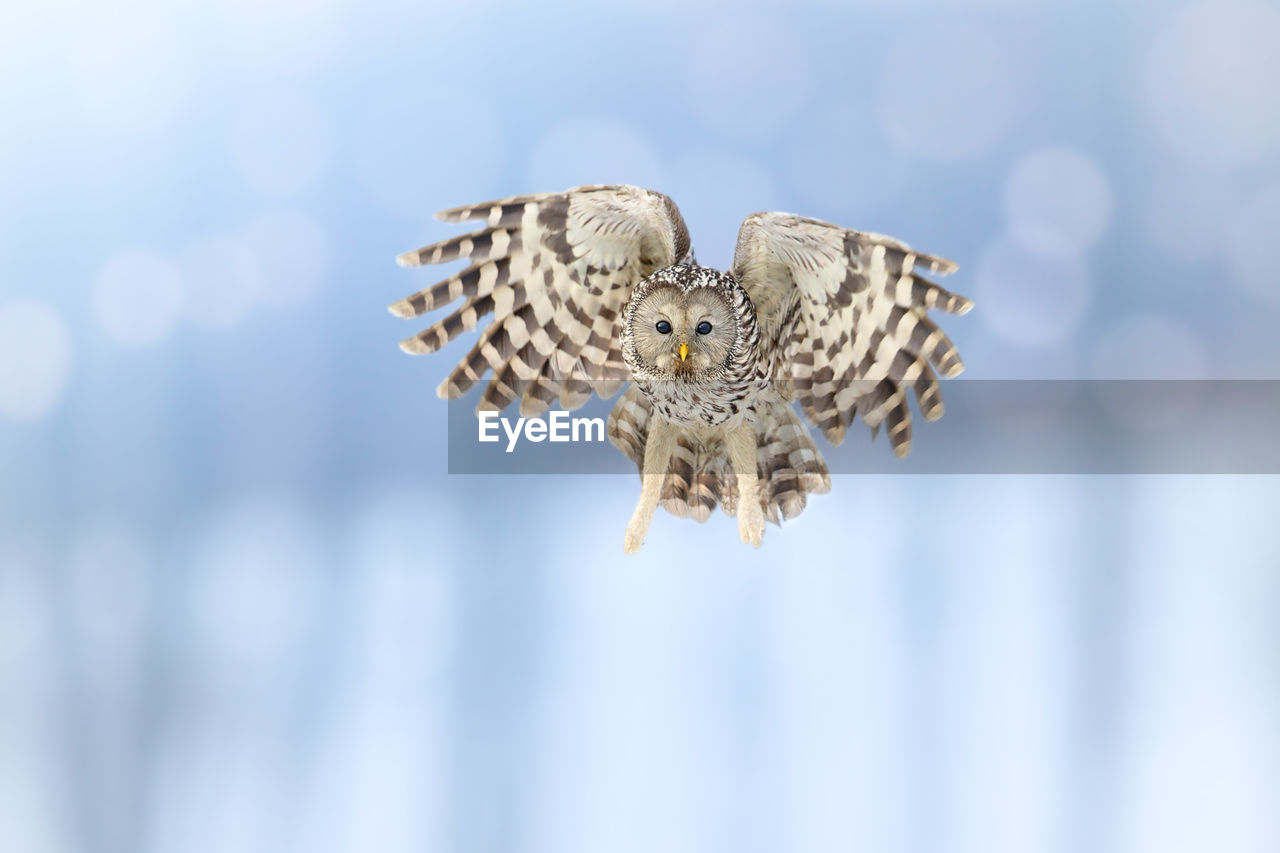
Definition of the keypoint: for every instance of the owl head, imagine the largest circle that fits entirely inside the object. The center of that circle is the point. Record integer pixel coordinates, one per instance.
(682, 322)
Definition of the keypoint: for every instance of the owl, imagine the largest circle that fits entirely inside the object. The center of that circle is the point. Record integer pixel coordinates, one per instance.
(596, 288)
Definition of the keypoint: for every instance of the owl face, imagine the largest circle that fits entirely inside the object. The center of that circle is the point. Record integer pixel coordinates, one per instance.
(682, 332)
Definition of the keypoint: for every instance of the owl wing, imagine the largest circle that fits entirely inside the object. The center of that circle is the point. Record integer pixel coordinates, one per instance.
(554, 271)
(843, 322)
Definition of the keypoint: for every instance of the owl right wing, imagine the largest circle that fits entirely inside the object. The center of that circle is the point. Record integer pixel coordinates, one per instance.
(843, 320)
(555, 271)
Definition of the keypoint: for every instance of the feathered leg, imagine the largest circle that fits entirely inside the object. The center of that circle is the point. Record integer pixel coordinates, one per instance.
(657, 456)
(742, 454)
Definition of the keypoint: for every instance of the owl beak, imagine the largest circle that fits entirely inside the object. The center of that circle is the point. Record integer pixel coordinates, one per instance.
(684, 351)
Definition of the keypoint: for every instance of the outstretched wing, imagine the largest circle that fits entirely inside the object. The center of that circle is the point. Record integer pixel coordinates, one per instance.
(844, 325)
(554, 271)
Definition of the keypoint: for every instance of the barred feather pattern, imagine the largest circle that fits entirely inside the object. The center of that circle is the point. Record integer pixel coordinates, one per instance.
(700, 476)
(554, 271)
(833, 319)
(845, 320)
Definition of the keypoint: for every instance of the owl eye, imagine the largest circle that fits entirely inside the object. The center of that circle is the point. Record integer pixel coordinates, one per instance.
(704, 328)
(664, 328)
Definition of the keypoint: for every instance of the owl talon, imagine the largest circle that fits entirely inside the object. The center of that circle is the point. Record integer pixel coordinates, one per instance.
(632, 539)
(751, 529)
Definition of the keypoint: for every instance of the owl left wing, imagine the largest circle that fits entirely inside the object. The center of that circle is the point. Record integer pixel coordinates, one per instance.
(843, 321)
(555, 271)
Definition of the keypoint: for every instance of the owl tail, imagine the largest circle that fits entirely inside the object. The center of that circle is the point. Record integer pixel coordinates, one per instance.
(701, 477)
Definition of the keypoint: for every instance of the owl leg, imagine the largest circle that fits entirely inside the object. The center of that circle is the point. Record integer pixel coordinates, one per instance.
(657, 456)
(741, 441)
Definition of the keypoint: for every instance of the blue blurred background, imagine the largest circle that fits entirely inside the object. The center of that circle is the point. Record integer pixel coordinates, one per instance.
(244, 608)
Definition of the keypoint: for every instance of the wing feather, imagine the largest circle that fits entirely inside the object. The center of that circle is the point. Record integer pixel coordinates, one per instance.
(843, 317)
(552, 273)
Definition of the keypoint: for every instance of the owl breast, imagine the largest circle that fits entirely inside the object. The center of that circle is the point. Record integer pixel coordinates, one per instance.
(720, 402)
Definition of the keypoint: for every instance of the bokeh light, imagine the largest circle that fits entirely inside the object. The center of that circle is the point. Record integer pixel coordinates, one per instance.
(137, 297)
(1057, 200)
(35, 359)
(225, 279)
(1208, 79)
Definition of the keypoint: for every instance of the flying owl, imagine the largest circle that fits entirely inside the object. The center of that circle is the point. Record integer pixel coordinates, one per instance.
(597, 286)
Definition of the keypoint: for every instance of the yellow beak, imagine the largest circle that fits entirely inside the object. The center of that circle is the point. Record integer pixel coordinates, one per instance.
(684, 351)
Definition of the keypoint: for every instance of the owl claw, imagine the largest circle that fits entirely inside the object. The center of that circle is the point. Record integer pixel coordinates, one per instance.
(751, 528)
(632, 539)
